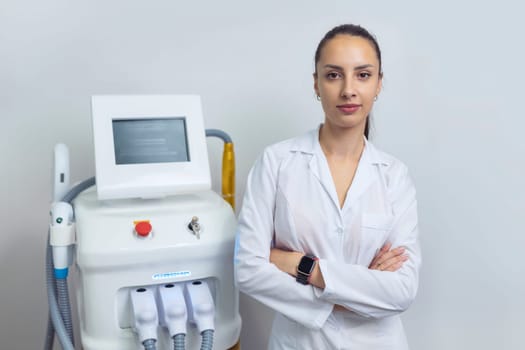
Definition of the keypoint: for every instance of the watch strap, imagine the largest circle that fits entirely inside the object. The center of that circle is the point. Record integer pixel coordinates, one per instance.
(302, 278)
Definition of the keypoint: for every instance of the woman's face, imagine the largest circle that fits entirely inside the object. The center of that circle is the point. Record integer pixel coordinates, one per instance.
(347, 80)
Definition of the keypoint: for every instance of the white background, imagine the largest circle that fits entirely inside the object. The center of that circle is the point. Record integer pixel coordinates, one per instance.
(451, 109)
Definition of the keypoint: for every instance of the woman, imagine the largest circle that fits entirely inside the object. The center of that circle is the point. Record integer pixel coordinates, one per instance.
(328, 233)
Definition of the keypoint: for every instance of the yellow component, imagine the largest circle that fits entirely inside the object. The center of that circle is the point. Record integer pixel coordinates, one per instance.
(137, 221)
(236, 346)
(228, 174)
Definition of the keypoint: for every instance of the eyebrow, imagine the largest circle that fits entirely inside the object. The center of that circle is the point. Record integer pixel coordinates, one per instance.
(363, 66)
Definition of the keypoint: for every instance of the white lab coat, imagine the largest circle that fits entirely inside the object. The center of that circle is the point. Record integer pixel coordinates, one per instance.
(291, 203)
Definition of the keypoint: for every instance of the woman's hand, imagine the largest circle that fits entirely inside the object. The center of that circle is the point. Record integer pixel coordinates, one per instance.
(388, 260)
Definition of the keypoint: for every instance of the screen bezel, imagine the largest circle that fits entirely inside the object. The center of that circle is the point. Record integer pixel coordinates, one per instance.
(148, 180)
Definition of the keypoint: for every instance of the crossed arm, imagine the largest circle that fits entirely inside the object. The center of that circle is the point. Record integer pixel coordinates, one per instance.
(386, 259)
(385, 287)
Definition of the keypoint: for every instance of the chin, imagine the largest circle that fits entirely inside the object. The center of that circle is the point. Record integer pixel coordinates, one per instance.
(346, 122)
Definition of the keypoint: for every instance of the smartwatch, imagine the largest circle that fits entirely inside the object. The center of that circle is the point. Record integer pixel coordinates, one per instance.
(305, 268)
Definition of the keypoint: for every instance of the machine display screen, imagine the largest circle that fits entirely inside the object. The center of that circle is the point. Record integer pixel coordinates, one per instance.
(150, 140)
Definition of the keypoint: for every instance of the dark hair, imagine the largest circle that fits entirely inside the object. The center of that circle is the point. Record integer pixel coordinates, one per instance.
(352, 30)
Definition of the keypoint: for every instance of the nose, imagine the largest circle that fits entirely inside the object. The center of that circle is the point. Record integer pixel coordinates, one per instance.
(348, 90)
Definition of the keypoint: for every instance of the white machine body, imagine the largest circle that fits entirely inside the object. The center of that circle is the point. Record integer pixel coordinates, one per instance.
(152, 221)
(113, 259)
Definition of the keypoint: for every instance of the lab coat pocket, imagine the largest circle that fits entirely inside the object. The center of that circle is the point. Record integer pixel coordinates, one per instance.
(374, 232)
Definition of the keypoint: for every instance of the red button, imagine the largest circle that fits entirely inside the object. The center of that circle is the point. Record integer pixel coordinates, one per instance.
(143, 228)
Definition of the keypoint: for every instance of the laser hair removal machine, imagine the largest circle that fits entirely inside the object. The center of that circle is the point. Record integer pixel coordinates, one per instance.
(153, 243)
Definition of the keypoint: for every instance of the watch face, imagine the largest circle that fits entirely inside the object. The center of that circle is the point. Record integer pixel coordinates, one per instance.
(306, 264)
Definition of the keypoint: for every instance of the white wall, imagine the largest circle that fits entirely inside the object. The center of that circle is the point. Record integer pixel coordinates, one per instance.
(451, 109)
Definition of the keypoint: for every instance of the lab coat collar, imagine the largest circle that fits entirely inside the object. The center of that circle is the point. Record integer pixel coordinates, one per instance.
(309, 144)
(365, 173)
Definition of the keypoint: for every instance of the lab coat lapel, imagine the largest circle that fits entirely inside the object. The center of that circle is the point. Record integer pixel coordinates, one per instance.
(365, 176)
(319, 168)
(363, 179)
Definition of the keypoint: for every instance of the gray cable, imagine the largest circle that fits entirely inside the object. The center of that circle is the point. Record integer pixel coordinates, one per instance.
(207, 339)
(220, 134)
(149, 344)
(50, 333)
(77, 189)
(54, 312)
(179, 341)
(65, 307)
(58, 323)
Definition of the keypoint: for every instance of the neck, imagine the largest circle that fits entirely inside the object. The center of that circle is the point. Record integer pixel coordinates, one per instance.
(341, 143)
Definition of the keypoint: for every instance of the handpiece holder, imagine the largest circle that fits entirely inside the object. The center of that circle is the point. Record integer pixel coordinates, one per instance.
(172, 308)
(145, 316)
(62, 237)
(201, 307)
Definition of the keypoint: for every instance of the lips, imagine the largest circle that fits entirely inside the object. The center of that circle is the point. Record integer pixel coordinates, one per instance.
(348, 108)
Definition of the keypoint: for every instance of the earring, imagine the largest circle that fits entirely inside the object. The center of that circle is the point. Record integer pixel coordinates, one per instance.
(318, 98)
(375, 98)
